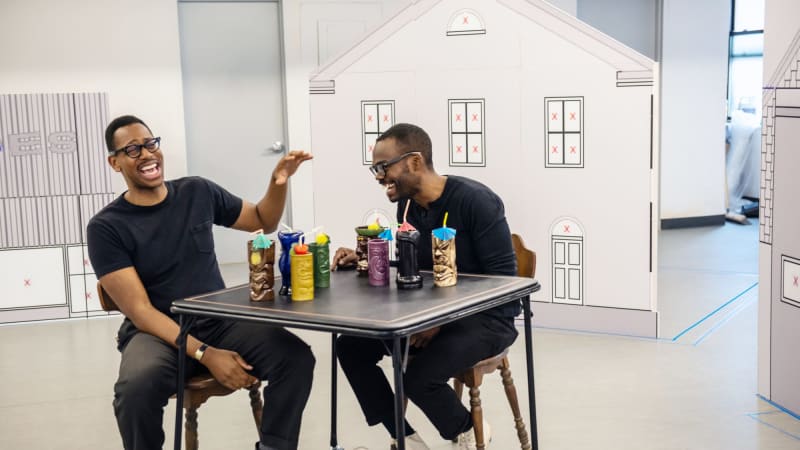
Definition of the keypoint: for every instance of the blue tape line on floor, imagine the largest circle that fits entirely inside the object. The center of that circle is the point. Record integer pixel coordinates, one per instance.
(713, 312)
(725, 320)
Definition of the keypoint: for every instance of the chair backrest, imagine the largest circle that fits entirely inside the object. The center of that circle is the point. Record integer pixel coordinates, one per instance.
(526, 258)
(106, 302)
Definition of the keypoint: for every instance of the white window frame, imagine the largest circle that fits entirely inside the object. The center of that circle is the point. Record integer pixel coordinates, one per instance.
(469, 136)
(369, 135)
(559, 136)
(465, 22)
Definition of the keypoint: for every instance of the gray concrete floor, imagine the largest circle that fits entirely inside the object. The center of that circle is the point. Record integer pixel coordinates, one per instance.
(694, 388)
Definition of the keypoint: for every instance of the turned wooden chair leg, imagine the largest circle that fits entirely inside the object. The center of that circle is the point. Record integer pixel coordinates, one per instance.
(477, 416)
(257, 405)
(191, 441)
(511, 394)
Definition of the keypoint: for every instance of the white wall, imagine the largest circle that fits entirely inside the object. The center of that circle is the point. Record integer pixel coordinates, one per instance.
(694, 78)
(127, 48)
(632, 22)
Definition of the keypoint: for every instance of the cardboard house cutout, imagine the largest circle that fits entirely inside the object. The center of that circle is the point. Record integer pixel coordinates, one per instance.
(53, 178)
(779, 245)
(553, 115)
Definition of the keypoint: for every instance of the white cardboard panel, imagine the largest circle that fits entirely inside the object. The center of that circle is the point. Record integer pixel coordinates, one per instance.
(32, 277)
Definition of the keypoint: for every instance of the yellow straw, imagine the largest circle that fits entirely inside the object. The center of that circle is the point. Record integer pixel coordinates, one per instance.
(444, 224)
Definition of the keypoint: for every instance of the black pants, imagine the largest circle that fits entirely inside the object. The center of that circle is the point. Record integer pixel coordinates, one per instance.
(149, 366)
(458, 346)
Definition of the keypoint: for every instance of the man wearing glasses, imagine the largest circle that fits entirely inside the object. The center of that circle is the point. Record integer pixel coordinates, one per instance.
(154, 244)
(404, 168)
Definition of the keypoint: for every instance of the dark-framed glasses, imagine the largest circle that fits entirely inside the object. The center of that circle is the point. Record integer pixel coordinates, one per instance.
(135, 150)
(379, 169)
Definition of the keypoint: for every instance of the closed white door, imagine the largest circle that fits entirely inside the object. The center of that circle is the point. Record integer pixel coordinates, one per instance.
(233, 100)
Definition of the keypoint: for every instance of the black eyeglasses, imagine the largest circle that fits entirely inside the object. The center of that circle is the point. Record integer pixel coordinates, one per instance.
(135, 150)
(380, 168)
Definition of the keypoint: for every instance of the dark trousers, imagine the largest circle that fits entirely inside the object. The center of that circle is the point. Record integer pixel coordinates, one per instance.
(149, 366)
(458, 346)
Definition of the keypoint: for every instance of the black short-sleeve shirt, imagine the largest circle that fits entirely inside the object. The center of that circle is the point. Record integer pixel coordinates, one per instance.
(169, 244)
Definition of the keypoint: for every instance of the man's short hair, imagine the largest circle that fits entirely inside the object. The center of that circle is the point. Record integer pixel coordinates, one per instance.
(410, 138)
(116, 124)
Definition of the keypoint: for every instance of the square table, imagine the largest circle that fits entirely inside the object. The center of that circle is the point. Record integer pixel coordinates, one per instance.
(352, 306)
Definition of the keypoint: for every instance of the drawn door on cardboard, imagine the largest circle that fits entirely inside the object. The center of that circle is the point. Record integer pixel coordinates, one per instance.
(567, 260)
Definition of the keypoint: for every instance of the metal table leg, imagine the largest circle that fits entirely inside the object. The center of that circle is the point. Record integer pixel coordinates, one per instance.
(185, 324)
(334, 387)
(399, 414)
(526, 306)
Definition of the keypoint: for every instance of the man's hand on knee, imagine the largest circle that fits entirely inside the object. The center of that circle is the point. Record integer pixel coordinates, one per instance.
(228, 368)
(423, 338)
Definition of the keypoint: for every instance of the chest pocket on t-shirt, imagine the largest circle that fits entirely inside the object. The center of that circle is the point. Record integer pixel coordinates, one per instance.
(203, 238)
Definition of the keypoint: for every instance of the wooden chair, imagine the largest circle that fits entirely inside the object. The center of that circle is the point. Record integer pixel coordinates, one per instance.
(197, 390)
(473, 377)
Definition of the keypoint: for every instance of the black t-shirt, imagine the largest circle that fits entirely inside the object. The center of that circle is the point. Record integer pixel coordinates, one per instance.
(170, 244)
(483, 239)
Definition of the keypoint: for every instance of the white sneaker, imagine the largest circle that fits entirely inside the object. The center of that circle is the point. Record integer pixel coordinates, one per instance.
(413, 442)
(466, 440)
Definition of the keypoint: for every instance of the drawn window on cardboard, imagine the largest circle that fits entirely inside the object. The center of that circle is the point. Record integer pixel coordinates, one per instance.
(467, 143)
(465, 22)
(564, 131)
(790, 272)
(567, 256)
(377, 116)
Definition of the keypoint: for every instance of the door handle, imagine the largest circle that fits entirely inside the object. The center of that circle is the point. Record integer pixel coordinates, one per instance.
(277, 147)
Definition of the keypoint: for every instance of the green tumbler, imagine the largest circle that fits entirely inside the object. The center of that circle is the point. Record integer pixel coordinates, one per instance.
(322, 264)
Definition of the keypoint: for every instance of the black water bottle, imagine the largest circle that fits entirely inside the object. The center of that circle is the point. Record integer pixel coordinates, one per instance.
(408, 276)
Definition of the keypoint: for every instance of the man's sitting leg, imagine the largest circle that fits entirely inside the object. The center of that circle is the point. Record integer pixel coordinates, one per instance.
(457, 346)
(147, 376)
(287, 364)
(359, 360)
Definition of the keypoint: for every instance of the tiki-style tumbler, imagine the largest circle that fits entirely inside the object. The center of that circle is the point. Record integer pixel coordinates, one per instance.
(444, 262)
(302, 268)
(322, 264)
(262, 275)
(378, 255)
(364, 235)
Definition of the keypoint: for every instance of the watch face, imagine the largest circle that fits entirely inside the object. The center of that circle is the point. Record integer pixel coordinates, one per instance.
(198, 354)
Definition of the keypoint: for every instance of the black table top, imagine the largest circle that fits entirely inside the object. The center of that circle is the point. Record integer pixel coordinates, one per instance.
(352, 306)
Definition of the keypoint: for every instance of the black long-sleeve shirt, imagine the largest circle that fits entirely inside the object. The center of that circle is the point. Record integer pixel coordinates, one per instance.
(483, 239)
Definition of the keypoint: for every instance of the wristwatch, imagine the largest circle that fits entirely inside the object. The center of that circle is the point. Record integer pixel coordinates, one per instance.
(198, 354)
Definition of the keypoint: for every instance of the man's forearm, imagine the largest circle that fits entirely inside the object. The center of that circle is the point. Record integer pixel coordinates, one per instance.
(158, 324)
(270, 207)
